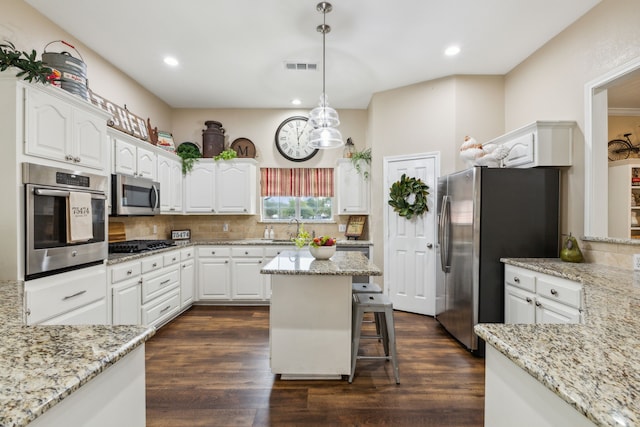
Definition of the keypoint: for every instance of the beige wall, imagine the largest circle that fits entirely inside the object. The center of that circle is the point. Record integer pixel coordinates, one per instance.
(433, 116)
(27, 29)
(550, 84)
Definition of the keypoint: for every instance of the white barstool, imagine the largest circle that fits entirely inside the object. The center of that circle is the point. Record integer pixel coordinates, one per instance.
(381, 306)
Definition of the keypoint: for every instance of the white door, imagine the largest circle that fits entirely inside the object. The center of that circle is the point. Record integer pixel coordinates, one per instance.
(410, 254)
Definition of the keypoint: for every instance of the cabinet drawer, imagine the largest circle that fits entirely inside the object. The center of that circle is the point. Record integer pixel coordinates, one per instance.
(155, 286)
(560, 290)
(186, 254)
(273, 251)
(171, 258)
(162, 308)
(151, 263)
(125, 271)
(252, 252)
(520, 278)
(94, 313)
(55, 295)
(212, 251)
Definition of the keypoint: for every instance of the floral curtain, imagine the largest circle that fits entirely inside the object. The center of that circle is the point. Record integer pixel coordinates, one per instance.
(296, 182)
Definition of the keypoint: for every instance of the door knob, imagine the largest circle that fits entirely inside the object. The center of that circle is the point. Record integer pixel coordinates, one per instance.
(429, 245)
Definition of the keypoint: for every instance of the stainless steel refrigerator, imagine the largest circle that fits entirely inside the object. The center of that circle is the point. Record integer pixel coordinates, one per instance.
(485, 214)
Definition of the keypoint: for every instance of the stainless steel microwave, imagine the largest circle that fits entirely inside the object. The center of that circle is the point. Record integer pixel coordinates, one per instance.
(133, 196)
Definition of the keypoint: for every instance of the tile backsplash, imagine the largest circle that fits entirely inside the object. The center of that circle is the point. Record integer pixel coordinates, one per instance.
(205, 227)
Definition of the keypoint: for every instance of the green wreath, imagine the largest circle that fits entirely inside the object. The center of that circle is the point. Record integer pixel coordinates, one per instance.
(401, 190)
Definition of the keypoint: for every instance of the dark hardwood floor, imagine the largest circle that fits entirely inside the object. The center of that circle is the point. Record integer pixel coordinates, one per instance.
(210, 367)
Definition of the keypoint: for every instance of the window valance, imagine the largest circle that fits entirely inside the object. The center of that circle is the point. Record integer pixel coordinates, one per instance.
(296, 182)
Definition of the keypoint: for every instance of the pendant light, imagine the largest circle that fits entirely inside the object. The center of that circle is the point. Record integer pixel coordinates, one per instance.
(323, 118)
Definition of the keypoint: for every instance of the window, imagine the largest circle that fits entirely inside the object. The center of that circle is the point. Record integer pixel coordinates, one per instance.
(303, 193)
(276, 208)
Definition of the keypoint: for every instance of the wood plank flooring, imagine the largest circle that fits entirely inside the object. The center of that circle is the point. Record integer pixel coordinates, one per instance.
(210, 367)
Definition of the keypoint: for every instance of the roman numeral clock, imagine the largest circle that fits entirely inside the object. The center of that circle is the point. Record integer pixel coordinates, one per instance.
(292, 139)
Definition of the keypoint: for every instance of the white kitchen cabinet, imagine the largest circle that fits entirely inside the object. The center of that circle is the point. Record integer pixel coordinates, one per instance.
(214, 273)
(226, 187)
(187, 277)
(541, 143)
(130, 157)
(533, 297)
(126, 302)
(352, 188)
(246, 280)
(198, 190)
(624, 199)
(235, 187)
(63, 130)
(170, 179)
(76, 296)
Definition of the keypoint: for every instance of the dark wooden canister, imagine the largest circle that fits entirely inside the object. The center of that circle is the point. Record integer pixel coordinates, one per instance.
(212, 139)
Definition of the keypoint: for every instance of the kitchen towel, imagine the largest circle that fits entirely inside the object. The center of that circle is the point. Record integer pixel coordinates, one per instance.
(79, 217)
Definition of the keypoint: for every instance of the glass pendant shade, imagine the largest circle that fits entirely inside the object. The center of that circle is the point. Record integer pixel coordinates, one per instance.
(325, 137)
(323, 115)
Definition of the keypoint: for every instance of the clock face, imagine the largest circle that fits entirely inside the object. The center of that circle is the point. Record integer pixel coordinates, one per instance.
(292, 139)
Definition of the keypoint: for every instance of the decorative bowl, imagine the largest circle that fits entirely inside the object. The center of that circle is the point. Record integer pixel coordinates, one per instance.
(322, 252)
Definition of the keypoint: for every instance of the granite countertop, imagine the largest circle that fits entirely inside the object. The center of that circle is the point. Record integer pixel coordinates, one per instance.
(303, 263)
(595, 366)
(119, 257)
(41, 365)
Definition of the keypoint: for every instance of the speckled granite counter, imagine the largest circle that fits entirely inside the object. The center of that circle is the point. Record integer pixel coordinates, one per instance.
(340, 264)
(41, 365)
(595, 367)
(118, 258)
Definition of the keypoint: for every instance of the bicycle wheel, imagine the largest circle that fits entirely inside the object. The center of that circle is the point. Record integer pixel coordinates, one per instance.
(618, 149)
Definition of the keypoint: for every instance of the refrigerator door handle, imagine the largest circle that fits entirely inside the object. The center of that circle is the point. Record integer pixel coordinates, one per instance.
(443, 234)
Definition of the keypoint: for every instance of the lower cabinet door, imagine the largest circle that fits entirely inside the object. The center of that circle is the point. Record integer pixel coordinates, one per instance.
(187, 283)
(247, 280)
(214, 279)
(519, 306)
(126, 303)
(548, 311)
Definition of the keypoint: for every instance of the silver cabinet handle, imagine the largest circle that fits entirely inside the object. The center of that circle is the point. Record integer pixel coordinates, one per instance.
(429, 245)
(529, 300)
(165, 282)
(173, 259)
(165, 309)
(246, 252)
(554, 292)
(226, 262)
(129, 272)
(155, 264)
(516, 279)
(68, 157)
(76, 159)
(538, 304)
(77, 294)
(140, 281)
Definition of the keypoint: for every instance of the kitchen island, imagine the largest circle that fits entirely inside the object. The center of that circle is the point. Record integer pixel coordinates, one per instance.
(310, 315)
(586, 374)
(68, 375)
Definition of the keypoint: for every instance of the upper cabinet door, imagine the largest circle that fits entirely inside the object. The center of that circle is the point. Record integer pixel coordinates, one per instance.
(235, 185)
(164, 178)
(90, 140)
(146, 161)
(48, 126)
(125, 158)
(353, 188)
(199, 188)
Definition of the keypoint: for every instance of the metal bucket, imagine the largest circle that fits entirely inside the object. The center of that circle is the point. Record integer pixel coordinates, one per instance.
(73, 71)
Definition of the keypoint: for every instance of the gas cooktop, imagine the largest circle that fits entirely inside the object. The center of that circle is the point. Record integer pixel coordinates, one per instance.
(135, 246)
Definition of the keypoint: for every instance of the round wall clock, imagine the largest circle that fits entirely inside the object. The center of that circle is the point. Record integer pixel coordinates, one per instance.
(292, 139)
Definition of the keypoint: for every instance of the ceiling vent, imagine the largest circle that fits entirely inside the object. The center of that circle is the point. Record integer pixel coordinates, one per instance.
(301, 66)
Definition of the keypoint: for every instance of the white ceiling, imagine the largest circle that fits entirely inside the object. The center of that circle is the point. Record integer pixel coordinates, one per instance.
(232, 52)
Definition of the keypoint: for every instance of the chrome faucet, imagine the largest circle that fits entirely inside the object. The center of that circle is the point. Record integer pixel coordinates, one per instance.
(297, 226)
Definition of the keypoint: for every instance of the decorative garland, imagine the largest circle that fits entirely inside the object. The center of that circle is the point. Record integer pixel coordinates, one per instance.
(401, 190)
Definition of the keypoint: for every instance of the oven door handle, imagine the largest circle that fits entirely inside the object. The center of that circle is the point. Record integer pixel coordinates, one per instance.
(62, 193)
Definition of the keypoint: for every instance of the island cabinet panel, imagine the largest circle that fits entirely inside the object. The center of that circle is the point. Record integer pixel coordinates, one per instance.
(310, 326)
(515, 398)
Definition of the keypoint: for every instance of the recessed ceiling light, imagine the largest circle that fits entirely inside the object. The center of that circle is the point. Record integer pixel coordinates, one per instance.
(296, 101)
(452, 51)
(169, 60)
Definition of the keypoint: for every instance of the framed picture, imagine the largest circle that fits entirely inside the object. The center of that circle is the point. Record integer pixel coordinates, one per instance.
(355, 226)
(165, 141)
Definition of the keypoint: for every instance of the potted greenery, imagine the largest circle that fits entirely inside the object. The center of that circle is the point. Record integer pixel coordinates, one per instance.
(189, 153)
(361, 156)
(227, 154)
(31, 69)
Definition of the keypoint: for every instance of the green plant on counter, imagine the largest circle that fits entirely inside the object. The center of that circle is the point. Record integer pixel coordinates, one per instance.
(357, 157)
(227, 154)
(32, 69)
(303, 238)
(189, 154)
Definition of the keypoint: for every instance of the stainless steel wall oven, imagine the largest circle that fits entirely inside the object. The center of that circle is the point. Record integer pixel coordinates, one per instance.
(48, 249)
